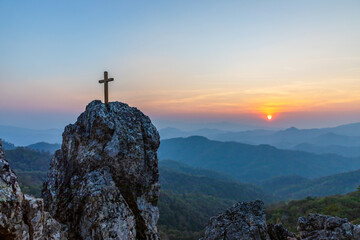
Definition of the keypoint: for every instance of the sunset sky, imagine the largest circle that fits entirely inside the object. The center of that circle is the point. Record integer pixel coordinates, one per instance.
(184, 63)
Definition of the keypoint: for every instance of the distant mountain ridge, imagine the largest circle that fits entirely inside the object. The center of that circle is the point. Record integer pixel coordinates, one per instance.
(8, 146)
(24, 136)
(352, 129)
(287, 139)
(352, 151)
(322, 140)
(45, 147)
(40, 146)
(167, 133)
(291, 137)
(250, 163)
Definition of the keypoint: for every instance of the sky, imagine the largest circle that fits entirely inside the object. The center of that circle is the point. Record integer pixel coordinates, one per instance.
(187, 64)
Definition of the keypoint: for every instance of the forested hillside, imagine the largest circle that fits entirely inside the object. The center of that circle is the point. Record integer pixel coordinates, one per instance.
(189, 197)
(31, 167)
(344, 206)
(295, 187)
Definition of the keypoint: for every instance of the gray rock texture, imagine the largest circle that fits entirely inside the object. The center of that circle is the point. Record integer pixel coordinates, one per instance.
(321, 227)
(278, 232)
(23, 216)
(103, 182)
(244, 220)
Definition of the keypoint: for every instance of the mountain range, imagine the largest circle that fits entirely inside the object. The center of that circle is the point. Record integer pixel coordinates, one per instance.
(40, 146)
(24, 136)
(342, 140)
(252, 163)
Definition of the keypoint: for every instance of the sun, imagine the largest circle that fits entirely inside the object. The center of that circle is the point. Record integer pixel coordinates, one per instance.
(269, 117)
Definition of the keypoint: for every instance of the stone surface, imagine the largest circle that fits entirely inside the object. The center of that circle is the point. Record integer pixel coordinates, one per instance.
(103, 182)
(278, 232)
(244, 220)
(321, 227)
(23, 216)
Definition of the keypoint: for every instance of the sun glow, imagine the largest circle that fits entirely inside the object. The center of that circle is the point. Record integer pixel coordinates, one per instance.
(269, 117)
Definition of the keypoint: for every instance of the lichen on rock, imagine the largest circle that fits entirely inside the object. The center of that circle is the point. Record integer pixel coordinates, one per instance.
(103, 182)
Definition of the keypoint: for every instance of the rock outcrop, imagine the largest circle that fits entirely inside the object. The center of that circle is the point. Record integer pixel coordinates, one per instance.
(244, 220)
(23, 216)
(317, 226)
(103, 182)
(278, 232)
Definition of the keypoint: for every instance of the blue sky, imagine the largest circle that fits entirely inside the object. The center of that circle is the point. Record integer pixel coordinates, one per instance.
(182, 61)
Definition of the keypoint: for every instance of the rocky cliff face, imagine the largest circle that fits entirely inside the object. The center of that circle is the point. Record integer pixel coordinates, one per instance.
(22, 216)
(103, 183)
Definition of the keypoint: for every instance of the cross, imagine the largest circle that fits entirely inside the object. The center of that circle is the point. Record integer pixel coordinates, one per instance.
(106, 80)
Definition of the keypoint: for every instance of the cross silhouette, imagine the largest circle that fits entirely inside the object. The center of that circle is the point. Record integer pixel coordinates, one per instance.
(106, 80)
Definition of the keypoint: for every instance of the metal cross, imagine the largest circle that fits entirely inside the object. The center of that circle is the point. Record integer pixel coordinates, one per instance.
(106, 80)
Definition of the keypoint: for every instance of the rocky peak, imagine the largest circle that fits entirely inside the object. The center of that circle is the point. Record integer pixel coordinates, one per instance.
(103, 182)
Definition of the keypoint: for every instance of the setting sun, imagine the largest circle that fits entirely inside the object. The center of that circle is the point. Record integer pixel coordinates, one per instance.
(269, 117)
